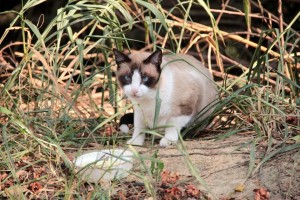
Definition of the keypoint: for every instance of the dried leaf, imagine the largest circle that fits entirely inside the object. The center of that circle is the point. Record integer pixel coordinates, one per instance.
(250, 120)
(94, 144)
(239, 187)
(109, 130)
(38, 172)
(173, 192)
(261, 194)
(22, 175)
(169, 178)
(291, 119)
(165, 175)
(3, 176)
(35, 187)
(192, 191)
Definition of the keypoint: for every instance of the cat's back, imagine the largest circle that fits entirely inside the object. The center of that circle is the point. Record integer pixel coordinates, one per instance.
(192, 83)
(184, 64)
(186, 67)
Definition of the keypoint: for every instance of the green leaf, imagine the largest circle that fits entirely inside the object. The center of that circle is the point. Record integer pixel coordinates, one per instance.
(31, 4)
(155, 11)
(296, 138)
(247, 10)
(157, 109)
(36, 32)
(119, 5)
(228, 134)
(252, 159)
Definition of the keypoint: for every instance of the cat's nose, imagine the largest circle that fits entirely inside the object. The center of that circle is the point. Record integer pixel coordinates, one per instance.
(134, 92)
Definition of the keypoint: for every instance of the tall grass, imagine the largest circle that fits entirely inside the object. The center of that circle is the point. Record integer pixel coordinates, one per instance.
(59, 94)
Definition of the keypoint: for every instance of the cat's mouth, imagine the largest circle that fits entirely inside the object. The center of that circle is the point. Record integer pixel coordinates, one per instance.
(136, 96)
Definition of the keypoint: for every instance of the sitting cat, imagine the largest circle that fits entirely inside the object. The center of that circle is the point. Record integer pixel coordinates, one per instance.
(183, 84)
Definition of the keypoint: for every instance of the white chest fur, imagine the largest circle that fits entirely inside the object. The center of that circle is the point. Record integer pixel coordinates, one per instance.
(159, 101)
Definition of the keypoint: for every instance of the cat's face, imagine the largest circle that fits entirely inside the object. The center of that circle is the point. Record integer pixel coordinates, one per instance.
(138, 74)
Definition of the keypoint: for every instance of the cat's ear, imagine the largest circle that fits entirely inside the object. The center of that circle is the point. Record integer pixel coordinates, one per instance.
(155, 58)
(120, 57)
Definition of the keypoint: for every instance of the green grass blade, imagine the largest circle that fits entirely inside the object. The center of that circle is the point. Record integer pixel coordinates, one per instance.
(155, 11)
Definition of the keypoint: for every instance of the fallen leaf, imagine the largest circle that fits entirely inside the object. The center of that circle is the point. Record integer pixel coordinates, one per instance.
(22, 175)
(239, 187)
(261, 194)
(250, 120)
(169, 178)
(35, 187)
(173, 192)
(109, 130)
(291, 119)
(94, 144)
(3, 176)
(8, 183)
(38, 172)
(192, 191)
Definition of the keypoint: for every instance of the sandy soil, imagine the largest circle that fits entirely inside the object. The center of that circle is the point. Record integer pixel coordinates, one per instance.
(224, 166)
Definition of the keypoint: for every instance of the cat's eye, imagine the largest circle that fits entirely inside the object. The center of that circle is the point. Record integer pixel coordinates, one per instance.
(145, 79)
(127, 78)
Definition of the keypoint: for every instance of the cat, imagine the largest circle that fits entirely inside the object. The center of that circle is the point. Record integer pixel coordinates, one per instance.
(183, 84)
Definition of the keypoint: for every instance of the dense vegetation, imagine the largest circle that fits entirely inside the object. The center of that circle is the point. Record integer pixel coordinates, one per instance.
(59, 96)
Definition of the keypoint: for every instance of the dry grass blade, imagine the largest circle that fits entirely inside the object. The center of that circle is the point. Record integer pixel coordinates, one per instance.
(59, 95)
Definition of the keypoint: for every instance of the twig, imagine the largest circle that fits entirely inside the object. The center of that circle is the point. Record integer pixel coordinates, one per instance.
(193, 26)
(271, 16)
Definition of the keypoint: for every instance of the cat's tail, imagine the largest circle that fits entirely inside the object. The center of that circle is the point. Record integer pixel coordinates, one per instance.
(125, 120)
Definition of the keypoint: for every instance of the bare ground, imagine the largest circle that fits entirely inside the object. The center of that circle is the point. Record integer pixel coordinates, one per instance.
(224, 166)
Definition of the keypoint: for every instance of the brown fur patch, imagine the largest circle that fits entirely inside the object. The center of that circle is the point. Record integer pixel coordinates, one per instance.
(124, 68)
(150, 70)
(185, 109)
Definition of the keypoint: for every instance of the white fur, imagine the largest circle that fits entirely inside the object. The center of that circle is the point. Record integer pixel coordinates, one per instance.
(138, 136)
(124, 128)
(144, 98)
(145, 109)
(136, 89)
(171, 133)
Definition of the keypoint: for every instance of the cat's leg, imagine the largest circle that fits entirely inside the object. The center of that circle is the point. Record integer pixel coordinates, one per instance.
(171, 133)
(139, 125)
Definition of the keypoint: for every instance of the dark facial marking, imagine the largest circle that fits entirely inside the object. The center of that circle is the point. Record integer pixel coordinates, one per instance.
(135, 66)
(125, 79)
(149, 81)
(155, 59)
(120, 57)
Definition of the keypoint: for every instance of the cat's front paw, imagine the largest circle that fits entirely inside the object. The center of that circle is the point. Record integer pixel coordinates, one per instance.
(124, 128)
(164, 142)
(136, 141)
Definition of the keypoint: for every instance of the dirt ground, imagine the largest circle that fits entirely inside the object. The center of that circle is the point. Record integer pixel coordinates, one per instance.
(224, 166)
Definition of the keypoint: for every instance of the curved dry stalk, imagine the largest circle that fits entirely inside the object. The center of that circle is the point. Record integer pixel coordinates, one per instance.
(55, 81)
(194, 26)
(272, 17)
